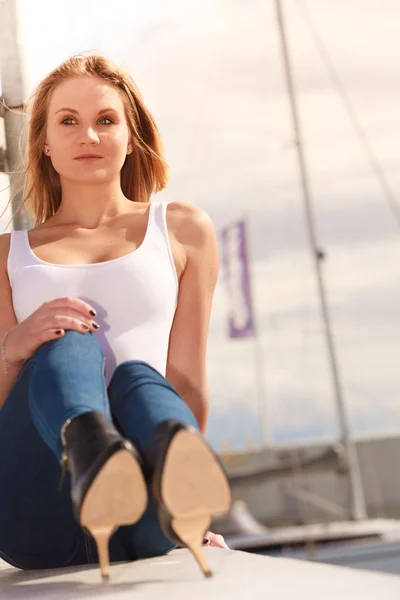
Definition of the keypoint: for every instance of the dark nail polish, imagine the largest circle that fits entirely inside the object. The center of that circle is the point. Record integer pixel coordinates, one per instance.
(58, 332)
(93, 313)
(95, 325)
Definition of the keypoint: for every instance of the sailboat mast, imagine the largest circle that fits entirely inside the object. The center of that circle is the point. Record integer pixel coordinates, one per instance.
(358, 508)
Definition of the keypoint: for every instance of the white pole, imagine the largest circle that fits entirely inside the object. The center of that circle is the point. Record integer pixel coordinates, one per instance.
(13, 85)
(258, 353)
(358, 505)
(261, 391)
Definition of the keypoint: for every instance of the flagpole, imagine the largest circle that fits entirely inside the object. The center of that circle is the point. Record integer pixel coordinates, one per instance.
(261, 387)
(259, 363)
(242, 320)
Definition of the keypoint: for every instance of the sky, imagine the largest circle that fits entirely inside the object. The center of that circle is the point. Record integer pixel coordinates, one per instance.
(211, 73)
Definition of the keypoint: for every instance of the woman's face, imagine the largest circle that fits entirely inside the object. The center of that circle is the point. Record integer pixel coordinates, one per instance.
(87, 116)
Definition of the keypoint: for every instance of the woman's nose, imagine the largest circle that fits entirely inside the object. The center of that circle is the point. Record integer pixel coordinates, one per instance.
(88, 134)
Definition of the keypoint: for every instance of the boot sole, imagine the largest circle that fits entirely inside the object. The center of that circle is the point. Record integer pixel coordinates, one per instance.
(194, 485)
(194, 488)
(118, 494)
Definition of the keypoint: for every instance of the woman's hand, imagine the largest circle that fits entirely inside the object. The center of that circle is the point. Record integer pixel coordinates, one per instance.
(214, 539)
(48, 322)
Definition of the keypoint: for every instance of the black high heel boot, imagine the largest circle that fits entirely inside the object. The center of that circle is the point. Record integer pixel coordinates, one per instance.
(189, 485)
(107, 483)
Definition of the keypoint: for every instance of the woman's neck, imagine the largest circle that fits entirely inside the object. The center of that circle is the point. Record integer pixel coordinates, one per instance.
(91, 206)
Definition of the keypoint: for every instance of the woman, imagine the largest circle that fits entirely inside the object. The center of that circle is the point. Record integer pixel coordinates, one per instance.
(121, 401)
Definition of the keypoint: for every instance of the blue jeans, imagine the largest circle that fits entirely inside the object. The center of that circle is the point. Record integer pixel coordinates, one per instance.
(63, 379)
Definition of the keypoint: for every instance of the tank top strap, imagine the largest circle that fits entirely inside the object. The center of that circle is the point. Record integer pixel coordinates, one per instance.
(159, 231)
(158, 222)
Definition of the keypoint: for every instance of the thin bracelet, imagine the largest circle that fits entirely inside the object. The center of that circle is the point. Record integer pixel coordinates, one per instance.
(5, 360)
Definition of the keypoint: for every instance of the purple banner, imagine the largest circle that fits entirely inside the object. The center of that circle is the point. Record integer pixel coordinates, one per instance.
(236, 267)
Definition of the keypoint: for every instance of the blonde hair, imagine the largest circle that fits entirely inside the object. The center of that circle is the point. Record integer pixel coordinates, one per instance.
(145, 170)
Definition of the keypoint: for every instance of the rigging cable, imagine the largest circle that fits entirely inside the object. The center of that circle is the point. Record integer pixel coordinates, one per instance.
(382, 180)
(390, 196)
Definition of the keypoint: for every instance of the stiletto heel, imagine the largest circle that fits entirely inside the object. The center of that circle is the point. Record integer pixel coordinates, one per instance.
(189, 532)
(108, 488)
(102, 537)
(190, 485)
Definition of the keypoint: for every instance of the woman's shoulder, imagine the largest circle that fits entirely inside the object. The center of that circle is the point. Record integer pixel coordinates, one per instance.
(185, 209)
(4, 248)
(190, 223)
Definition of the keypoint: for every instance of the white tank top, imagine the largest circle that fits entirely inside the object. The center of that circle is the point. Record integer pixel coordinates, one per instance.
(135, 296)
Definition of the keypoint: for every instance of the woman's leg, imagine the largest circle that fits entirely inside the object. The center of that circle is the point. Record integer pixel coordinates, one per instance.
(67, 381)
(140, 399)
(37, 529)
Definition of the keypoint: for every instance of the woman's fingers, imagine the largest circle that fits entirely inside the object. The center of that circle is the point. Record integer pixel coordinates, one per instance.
(68, 319)
(72, 303)
(214, 539)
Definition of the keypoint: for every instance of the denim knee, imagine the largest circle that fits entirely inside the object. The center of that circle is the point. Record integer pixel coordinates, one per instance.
(138, 371)
(71, 339)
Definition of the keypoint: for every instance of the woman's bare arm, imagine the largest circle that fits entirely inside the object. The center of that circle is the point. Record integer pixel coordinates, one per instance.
(7, 318)
(186, 365)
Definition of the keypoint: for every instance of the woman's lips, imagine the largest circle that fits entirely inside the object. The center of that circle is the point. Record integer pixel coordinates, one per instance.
(88, 158)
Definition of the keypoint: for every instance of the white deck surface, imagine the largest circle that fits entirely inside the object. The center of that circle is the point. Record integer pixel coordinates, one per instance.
(177, 576)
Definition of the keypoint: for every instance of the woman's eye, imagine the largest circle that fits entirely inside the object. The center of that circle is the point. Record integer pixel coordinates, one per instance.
(68, 120)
